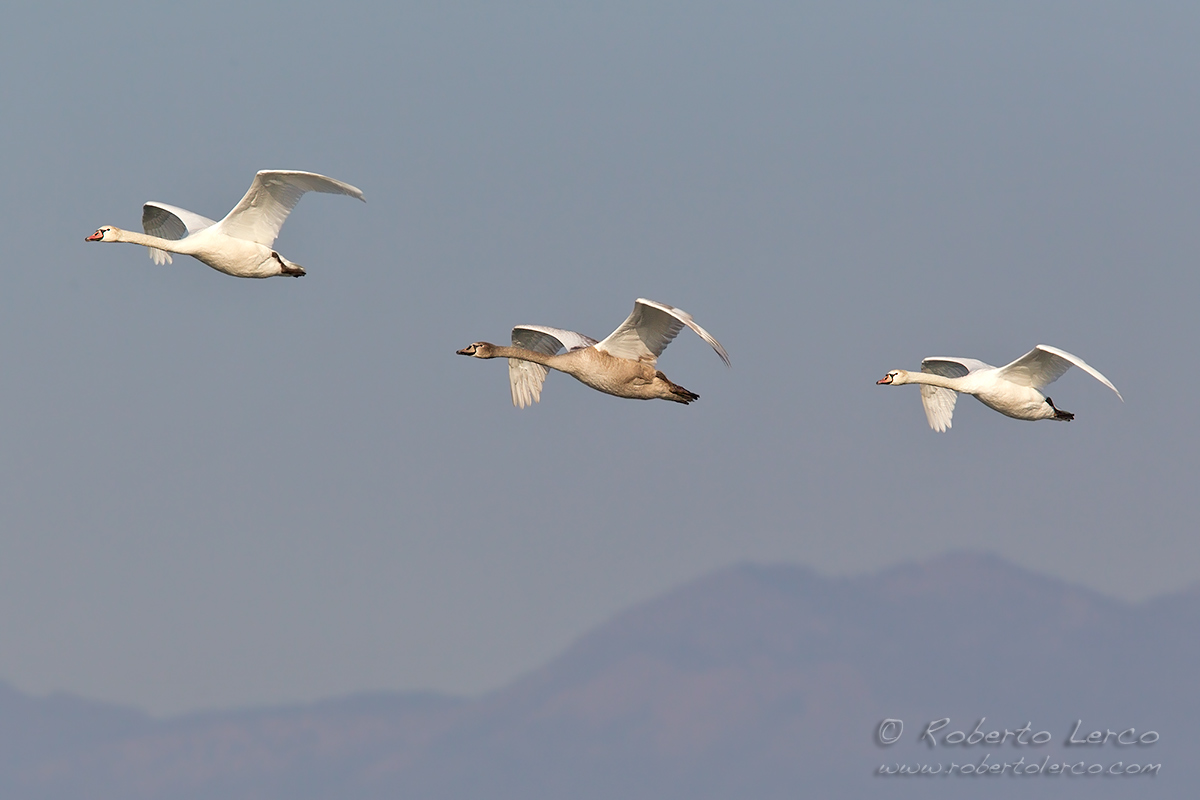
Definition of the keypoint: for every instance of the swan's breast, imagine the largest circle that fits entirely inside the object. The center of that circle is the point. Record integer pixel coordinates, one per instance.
(605, 372)
(233, 256)
(1019, 402)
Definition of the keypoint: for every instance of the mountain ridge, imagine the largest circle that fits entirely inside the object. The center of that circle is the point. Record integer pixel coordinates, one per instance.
(749, 681)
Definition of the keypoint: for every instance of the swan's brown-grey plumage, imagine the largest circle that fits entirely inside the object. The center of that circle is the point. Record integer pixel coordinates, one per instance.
(624, 364)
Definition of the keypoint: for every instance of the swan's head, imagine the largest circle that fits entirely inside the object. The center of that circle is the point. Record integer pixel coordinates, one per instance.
(106, 234)
(478, 350)
(893, 378)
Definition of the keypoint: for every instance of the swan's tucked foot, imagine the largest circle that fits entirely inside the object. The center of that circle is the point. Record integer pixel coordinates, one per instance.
(1065, 416)
(288, 268)
(677, 394)
(682, 395)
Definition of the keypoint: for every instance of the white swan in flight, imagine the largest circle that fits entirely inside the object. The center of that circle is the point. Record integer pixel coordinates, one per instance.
(240, 244)
(622, 365)
(1014, 389)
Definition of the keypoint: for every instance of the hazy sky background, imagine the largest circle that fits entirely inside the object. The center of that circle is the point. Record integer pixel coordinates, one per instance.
(217, 491)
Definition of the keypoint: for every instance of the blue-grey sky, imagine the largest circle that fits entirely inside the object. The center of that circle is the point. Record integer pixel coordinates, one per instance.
(217, 491)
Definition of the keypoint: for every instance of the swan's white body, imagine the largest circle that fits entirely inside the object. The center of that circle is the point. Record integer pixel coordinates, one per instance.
(1014, 389)
(623, 364)
(240, 244)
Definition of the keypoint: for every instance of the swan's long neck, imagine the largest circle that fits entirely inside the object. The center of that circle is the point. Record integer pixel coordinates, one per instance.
(546, 360)
(173, 245)
(931, 379)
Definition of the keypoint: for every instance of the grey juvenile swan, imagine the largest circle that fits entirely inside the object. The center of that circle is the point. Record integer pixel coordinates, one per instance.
(1014, 389)
(622, 365)
(240, 244)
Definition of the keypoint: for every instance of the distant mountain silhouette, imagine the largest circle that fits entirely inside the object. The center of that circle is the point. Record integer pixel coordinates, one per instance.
(753, 682)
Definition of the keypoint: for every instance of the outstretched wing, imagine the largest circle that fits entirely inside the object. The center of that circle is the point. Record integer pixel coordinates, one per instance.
(938, 401)
(648, 331)
(169, 222)
(271, 197)
(526, 377)
(1043, 365)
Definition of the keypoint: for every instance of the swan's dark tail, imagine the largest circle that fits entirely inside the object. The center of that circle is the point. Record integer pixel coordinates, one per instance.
(1065, 416)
